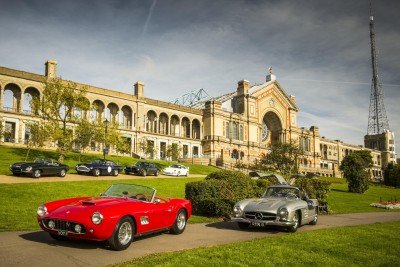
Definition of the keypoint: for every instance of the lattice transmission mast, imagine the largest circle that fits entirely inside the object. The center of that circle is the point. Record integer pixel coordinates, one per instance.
(377, 120)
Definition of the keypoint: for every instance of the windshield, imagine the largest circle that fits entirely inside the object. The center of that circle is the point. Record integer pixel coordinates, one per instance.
(281, 192)
(133, 191)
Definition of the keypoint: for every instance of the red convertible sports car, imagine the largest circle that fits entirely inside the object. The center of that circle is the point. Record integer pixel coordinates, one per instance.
(119, 214)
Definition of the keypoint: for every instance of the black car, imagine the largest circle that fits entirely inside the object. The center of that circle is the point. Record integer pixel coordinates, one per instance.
(99, 167)
(39, 167)
(143, 168)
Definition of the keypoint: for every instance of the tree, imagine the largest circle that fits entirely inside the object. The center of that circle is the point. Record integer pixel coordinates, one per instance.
(283, 157)
(173, 151)
(56, 107)
(355, 168)
(84, 134)
(392, 175)
(1, 128)
(147, 147)
(38, 135)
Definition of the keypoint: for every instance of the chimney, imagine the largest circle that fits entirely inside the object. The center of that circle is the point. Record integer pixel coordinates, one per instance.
(50, 68)
(139, 89)
(243, 87)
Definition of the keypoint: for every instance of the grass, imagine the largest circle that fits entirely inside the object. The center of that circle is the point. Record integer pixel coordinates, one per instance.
(345, 246)
(10, 155)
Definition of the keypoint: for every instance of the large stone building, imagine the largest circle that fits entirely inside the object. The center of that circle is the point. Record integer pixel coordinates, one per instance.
(236, 126)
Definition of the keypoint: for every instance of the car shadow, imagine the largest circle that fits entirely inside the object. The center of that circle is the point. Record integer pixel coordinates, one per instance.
(229, 225)
(44, 238)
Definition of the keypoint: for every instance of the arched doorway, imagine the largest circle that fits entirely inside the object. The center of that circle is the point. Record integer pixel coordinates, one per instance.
(271, 128)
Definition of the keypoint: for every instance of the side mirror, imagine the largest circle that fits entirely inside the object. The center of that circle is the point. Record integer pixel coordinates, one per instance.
(157, 201)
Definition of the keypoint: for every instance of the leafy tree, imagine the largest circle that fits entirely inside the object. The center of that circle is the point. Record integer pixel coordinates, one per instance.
(60, 99)
(173, 151)
(147, 147)
(283, 157)
(38, 135)
(355, 169)
(84, 134)
(392, 175)
(1, 128)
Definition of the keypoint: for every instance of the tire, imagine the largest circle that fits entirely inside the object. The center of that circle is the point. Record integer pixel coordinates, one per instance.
(187, 174)
(315, 221)
(36, 173)
(178, 174)
(123, 234)
(296, 218)
(62, 173)
(144, 173)
(180, 223)
(115, 173)
(243, 225)
(59, 237)
(96, 172)
(156, 173)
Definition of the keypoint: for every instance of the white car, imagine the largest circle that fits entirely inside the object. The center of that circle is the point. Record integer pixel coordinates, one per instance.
(176, 170)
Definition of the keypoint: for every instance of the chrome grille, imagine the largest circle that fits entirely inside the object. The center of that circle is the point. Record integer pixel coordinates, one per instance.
(261, 216)
(62, 225)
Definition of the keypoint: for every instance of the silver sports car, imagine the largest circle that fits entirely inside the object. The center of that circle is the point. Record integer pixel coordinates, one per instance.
(280, 205)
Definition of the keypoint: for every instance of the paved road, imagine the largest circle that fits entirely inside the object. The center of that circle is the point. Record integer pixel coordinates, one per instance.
(39, 249)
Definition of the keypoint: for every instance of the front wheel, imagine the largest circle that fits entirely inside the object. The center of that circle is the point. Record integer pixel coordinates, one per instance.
(180, 223)
(144, 173)
(96, 172)
(62, 173)
(296, 220)
(123, 234)
(36, 174)
(156, 173)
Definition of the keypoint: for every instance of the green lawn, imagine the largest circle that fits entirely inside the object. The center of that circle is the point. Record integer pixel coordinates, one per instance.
(368, 245)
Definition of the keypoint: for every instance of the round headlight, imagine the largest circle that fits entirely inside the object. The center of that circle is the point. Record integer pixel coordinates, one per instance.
(52, 224)
(78, 228)
(42, 210)
(237, 209)
(97, 217)
(283, 213)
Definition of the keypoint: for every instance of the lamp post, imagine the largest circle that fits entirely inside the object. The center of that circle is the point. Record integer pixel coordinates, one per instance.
(105, 149)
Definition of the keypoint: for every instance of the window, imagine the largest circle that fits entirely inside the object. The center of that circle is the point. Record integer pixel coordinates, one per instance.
(227, 130)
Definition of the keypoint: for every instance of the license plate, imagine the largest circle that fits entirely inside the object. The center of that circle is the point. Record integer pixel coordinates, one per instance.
(62, 233)
(257, 224)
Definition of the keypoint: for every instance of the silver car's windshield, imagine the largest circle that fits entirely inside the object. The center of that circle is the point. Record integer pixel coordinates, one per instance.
(133, 191)
(281, 192)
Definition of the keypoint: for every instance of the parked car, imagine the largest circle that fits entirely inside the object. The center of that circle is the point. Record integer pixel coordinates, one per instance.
(39, 167)
(281, 205)
(119, 214)
(143, 168)
(176, 170)
(99, 167)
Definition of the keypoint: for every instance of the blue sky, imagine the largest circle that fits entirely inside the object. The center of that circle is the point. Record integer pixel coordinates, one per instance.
(319, 50)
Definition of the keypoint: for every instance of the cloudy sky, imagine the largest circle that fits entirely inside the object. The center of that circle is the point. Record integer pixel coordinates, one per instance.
(319, 50)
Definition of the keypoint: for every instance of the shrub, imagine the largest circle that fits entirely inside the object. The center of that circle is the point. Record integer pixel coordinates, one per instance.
(217, 194)
(392, 175)
(315, 188)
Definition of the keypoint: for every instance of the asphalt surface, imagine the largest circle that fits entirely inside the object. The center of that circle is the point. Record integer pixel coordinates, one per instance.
(37, 248)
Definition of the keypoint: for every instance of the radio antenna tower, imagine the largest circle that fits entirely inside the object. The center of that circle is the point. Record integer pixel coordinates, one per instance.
(377, 120)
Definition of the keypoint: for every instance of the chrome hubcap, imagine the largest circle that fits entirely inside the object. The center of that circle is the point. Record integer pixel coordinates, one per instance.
(181, 220)
(125, 233)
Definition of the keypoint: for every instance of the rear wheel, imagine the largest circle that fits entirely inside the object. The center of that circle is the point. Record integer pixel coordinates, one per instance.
(178, 174)
(243, 225)
(62, 173)
(180, 223)
(314, 222)
(36, 173)
(144, 173)
(96, 172)
(296, 220)
(156, 173)
(115, 172)
(123, 234)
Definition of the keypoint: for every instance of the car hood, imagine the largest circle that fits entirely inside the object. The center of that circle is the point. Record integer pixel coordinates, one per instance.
(87, 206)
(265, 204)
